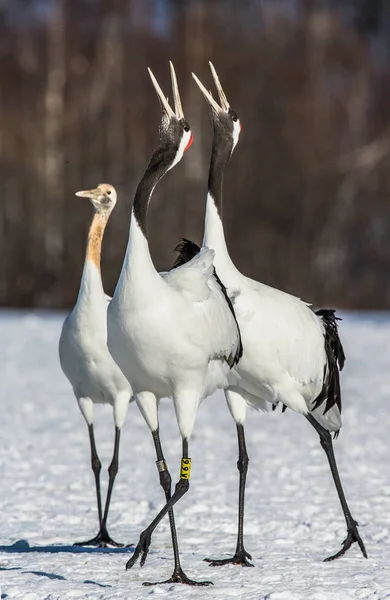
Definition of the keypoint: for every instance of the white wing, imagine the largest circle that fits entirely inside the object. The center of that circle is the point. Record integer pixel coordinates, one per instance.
(193, 277)
(283, 340)
(217, 330)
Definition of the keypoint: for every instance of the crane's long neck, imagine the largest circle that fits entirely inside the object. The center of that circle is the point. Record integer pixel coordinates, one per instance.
(91, 282)
(138, 270)
(95, 239)
(214, 236)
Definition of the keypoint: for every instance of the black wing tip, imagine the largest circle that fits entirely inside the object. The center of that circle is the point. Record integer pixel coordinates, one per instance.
(275, 406)
(186, 249)
(238, 355)
(186, 245)
(240, 349)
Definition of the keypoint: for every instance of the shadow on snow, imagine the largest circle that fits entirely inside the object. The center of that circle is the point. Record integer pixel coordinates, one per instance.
(48, 575)
(23, 546)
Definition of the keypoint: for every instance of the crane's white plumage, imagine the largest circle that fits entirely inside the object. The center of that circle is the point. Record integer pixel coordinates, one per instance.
(174, 338)
(288, 355)
(283, 339)
(284, 354)
(84, 356)
(173, 334)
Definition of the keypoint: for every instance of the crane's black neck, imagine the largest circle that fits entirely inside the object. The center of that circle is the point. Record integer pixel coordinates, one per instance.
(160, 162)
(220, 154)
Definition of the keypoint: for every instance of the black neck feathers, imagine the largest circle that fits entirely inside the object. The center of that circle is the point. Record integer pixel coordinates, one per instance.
(160, 162)
(220, 154)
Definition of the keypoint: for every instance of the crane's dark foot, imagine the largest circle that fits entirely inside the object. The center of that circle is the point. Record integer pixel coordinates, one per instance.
(178, 576)
(352, 537)
(142, 549)
(102, 540)
(240, 558)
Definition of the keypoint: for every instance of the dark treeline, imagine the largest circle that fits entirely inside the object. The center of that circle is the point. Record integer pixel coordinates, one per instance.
(307, 193)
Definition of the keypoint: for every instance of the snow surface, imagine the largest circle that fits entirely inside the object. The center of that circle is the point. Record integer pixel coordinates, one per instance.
(293, 518)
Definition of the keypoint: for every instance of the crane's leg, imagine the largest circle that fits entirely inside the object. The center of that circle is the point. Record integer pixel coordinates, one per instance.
(165, 482)
(178, 575)
(112, 473)
(241, 556)
(102, 539)
(352, 525)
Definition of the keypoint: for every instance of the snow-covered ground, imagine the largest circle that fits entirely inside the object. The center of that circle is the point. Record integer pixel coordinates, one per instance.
(293, 518)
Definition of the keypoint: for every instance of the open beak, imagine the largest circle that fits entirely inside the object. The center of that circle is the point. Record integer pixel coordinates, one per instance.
(216, 108)
(222, 96)
(176, 95)
(224, 107)
(178, 113)
(88, 193)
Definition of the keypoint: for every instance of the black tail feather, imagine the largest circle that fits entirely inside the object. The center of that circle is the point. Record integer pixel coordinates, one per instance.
(187, 250)
(331, 392)
(329, 319)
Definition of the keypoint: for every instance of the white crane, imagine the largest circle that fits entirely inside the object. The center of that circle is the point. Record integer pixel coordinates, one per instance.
(173, 335)
(290, 354)
(84, 356)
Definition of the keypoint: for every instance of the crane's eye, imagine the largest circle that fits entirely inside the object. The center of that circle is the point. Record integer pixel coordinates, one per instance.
(186, 128)
(235, 119)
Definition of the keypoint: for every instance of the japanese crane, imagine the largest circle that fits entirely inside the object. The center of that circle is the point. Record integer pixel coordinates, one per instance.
(291, 354)
(84, 356)
(173, 335)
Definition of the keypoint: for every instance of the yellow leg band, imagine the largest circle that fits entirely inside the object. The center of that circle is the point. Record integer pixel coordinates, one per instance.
(185, 470)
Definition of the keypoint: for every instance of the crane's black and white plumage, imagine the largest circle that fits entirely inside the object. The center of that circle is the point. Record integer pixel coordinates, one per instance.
(291, 355)
(84, 355)
(173, 335)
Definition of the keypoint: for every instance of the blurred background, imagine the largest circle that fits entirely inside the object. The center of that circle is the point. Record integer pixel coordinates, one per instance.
(307, 192)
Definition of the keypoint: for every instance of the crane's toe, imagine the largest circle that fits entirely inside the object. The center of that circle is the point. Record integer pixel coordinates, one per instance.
(352, 537)
(101, 540)
(240, 558)
(141, 549)
(178, 576)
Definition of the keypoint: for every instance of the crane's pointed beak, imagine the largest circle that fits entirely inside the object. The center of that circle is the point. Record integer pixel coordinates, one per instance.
(163, 101)
(88, 193)
(176, 95)
(222, 96)
(216, 108)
